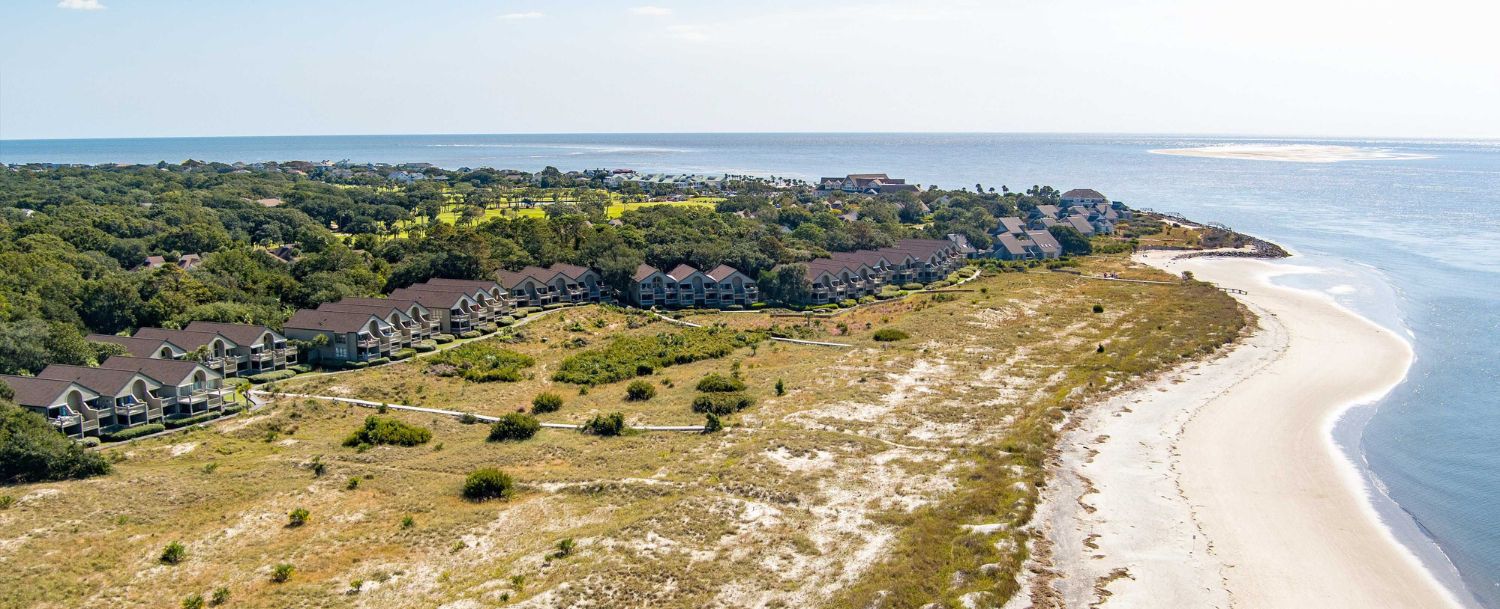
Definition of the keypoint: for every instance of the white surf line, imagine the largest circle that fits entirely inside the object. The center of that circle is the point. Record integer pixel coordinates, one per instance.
(456, 413)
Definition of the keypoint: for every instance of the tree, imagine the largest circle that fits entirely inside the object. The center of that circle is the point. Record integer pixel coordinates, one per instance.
(1072, 241)
(32, 450)
(786, 284)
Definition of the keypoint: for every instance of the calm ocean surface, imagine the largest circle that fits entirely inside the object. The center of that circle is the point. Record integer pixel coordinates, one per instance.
(1413, 244)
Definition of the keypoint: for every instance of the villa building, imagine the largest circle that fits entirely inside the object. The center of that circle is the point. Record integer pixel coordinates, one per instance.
(188, 387)
(350, 337)
(260, 349)
(686, 286)
(1083, 197)
(852, 275)
(215, 350)
(135, 346)
(70, 407)
(560, 283)
(429, 322)
(125, 397)
(456, 312)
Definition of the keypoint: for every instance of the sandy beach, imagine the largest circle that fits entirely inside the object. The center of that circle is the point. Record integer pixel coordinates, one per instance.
(1294, 153)
(1219, 485)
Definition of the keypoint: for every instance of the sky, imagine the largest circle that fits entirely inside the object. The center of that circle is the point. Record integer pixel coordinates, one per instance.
(167, 68)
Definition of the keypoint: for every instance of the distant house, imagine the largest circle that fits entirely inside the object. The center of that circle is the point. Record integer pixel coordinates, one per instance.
(1045, 211)
(412, 320)
(405, 177)
(489, 299)
(1044, 245)
(852, 275)
(285, 253)
(1081, 224)
(1012, 225)
(258, 348)
(218, 350)
(185, 262)
(968, 251)
(350, 337)
(685, 286)
(456, 312)
(1083, 197)
(535, 286)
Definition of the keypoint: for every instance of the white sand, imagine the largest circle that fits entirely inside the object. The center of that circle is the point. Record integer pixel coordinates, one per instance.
(1296, 153)
(1220, 485)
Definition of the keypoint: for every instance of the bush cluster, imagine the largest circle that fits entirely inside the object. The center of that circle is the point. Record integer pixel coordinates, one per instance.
(631, 356)
(546, 402)
(514, 426)
(612, 424)
(721, 403)
(384, 430)
(481, 362)
(488, 483)
(718, 383)
(640, 391)
(887, 335)
(274, 375)
(176, 421)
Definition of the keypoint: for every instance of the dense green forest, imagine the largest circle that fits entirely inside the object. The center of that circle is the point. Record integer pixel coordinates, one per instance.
(71, 239)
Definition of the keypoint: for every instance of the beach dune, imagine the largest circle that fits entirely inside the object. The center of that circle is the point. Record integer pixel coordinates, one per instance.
(1221, 486)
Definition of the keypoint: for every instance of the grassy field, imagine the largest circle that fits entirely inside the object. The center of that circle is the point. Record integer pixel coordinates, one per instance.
(854, 489)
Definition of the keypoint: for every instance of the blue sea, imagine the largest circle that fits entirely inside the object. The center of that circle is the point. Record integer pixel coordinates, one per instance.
(1413, 244)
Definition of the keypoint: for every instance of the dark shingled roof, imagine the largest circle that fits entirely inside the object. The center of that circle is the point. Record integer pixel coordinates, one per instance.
(721, 272)
(643, 271)
(135, 346)
(1083, 193)
(329, 321)
(103, 381)
(1044, 240)
(33, 391)
(169, 371)
(1011, 244)
(380, 310)
(473, 284)
(244, 334)
(404, 304)
(430, 299)
(510, 279)
(187, 339)
(681, 271)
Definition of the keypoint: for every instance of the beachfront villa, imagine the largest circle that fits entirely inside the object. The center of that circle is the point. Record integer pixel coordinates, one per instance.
(346, 337)
(686, 286)
(535, 286)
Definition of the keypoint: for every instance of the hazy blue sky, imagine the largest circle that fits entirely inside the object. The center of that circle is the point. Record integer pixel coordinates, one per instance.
(126, 68)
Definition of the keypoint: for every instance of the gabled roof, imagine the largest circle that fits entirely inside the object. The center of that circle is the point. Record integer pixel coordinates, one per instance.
(1010, 244)
(722, 272)
(510, 279)
(1081, 224)
(1044, 240)
(40, 392)
(405, 304)
(374, 309)
(188, 339)
(168, 371)
(643, 272)
(104, 381)
(475, 284)
(331, 321)
(1047, 210)
(137, 346)
(433, 300)
(681, 271)
(1083, 193)
(1012, 224)
(244, 334)
(473, 294)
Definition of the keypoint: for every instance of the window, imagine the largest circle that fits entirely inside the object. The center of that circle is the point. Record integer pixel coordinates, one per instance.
(340, 350)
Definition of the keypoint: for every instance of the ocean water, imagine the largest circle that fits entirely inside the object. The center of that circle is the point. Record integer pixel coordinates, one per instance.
(1413, 244)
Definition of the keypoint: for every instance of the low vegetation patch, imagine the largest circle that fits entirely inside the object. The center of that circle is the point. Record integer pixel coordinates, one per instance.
(546, 402)
(890, 335)
(514, 426)
(631, 356)
(488, 483)
(173, 554)
(274, 375)
(130, 433)
(384, 430)
(721, 403)
(640, 391)
(481, 362)
(718, 383)
(612, 424)
(176, 421)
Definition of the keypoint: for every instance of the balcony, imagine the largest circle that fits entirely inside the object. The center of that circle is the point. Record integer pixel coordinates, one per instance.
(368, 343)
(67, 420)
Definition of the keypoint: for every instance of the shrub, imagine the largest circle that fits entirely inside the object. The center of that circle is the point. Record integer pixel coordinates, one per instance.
(721, 403)
(911, 286)
(403, 354)
(353, 484)
(480, 362)
(468, 418)
(847, 302)
(469, 334)
(297, 517)
(379, 361)
(640, 391)
(181, 420)
(282, 572)
(780, 387)
(425, 346)
(300, 368)
(121, 435)
(1098, 308)
(546, 402)
(173, 554)
(274, 375)
(194, 601)
(612, 424)
(712, 423)
(866, 299)
(220, 596)
(630, 356)
(529, 310)
(716, 383)
(488, 483)
(505, 320)
(407, 522)
(514, 426)
(383, 430)
(443, 339)
(6, 501)
(565, 548)
(887, 335)
(555, 305)
(356, 365)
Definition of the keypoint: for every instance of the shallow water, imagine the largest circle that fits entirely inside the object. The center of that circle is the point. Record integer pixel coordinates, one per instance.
(1411, 243)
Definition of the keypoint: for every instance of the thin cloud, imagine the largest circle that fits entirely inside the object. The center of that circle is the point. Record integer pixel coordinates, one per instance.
(690, 33)
(525, 15)
(651, 11)
(81, 5)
